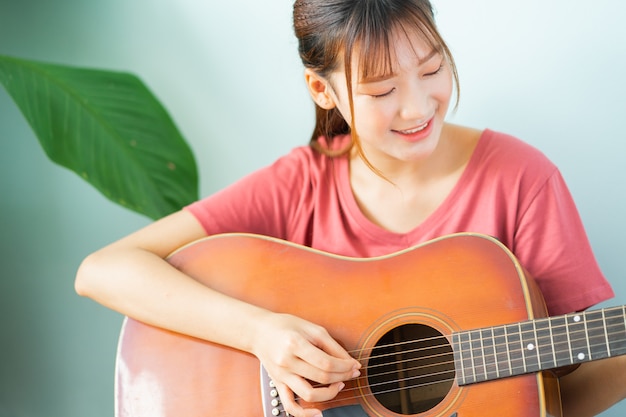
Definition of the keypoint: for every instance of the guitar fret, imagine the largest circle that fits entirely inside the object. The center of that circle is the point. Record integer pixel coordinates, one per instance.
(545, 349)
(616, 331)
(596, 335)
(538, 348)
(569, 341)
(606, 335)
(560, 341)
(529, 347)
(521, 345)
(552, 344)
(471, 356)
(500, 351)
(458, 358)
(508, 351)
(515, 351)
(463, 358)
(590, 354)
(578, 338)
(478, 359)
(489, 354)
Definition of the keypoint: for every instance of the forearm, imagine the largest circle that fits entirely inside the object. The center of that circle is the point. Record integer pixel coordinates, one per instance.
(594, 387)
(142, 285)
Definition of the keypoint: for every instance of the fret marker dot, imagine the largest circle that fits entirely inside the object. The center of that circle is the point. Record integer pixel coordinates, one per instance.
(530, 346)
(576, 319)
(581, 356)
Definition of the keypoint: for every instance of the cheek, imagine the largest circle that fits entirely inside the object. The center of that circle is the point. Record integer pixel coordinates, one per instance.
(373, 118)
(446, 88)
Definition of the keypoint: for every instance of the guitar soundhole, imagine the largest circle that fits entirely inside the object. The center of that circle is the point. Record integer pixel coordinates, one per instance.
(411, 369)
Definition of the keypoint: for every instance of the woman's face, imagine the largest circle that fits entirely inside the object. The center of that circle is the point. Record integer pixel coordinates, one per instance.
(399, 117)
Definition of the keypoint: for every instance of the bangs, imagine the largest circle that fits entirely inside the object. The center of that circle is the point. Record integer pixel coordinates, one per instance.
(374, 41)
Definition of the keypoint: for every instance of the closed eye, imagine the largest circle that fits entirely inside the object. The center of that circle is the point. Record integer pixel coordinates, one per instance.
(383, 94)
(430, 74)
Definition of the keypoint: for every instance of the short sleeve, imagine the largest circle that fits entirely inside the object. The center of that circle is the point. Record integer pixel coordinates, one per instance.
(552, 244)
(262, 202)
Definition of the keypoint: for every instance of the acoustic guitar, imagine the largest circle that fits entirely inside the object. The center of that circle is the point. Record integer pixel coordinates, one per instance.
(454, 327)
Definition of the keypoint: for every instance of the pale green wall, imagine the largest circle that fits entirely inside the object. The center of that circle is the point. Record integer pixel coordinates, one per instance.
(549, 72)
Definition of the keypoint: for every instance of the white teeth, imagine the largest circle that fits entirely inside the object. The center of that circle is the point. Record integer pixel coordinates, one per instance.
(417, 129)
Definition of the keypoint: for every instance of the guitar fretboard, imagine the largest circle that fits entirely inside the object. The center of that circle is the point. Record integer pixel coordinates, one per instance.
(537, 345)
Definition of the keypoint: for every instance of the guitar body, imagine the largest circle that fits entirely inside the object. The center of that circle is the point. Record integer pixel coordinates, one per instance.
(447, 285)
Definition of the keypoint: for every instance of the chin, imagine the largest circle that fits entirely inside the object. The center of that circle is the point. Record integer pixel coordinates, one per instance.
(421, 151)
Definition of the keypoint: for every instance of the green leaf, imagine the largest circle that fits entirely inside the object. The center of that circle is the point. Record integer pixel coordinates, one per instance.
(108, 128)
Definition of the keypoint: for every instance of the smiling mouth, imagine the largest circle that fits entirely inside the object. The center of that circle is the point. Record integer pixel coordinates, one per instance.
(415, 129)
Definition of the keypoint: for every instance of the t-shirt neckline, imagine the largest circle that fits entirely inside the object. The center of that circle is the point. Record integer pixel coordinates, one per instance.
(377, 232)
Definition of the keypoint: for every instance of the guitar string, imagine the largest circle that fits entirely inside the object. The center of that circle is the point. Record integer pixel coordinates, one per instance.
(352, 396)
(485, 362)
(621, 329)
(514, 369)
(537, 345)
(512, 350)
(374, 393)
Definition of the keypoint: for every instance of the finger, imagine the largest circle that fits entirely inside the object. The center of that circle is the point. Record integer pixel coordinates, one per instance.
(308, 394)
(312, 373)
(291, 406)
(321, 339)
(317, 365)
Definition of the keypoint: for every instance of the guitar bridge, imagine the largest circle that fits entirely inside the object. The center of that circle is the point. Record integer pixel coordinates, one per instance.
(272, 407)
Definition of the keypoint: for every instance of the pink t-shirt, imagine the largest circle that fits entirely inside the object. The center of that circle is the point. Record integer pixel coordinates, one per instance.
(509, 190)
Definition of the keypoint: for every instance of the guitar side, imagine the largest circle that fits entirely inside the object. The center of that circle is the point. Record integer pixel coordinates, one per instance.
(450, 284)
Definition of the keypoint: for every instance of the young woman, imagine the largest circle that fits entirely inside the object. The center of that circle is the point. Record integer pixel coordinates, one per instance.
(383, 172)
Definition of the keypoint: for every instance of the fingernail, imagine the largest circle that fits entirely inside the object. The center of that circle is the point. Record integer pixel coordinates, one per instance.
(356, 374)
(342, 386)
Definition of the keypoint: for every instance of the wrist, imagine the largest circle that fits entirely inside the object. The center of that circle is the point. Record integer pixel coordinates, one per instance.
(254, 330)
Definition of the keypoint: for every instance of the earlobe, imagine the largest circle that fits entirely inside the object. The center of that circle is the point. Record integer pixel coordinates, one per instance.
(319, 89)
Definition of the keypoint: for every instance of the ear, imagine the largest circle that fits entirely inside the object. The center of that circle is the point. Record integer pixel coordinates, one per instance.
(320, 89)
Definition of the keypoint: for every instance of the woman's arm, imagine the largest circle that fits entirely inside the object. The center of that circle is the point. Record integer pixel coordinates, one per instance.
(594, 387)
(132, 277)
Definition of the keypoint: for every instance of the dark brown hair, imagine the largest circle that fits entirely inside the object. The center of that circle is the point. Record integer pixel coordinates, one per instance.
(328, 31)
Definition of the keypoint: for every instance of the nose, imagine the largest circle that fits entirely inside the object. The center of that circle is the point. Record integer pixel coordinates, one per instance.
(415, 102)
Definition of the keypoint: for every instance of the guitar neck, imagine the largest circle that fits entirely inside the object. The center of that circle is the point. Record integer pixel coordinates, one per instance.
(538, 345)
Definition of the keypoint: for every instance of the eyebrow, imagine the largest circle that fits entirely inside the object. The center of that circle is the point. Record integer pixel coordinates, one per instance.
(428, 57)
(383, 77)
